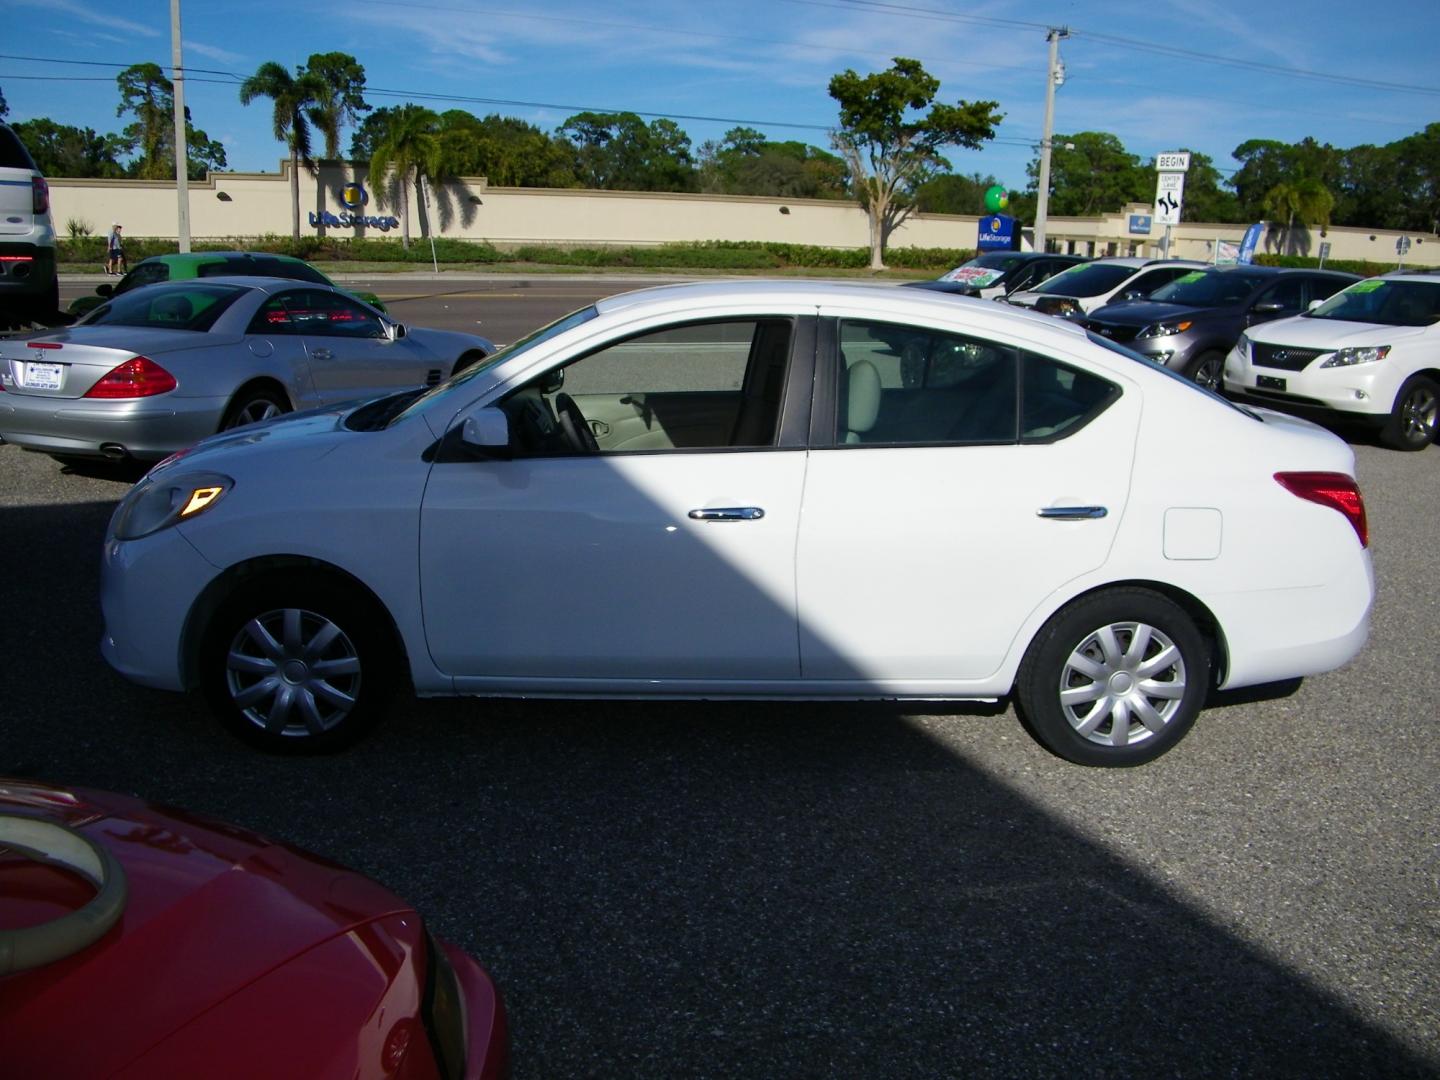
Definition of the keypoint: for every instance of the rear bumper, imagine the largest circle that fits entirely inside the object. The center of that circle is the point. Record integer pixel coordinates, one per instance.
(27, 272)
(487, 1050)
(146, 428)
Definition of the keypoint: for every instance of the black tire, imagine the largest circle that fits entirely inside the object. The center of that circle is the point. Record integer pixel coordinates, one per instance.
(252, 406)
(1412, 421)
(1208, 370)
(466, 360)
(295, 665)
(1096, 633)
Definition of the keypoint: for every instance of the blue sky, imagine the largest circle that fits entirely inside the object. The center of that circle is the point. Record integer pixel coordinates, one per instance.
(767, 63)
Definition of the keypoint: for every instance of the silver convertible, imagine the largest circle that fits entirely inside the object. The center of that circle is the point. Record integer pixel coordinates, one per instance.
(158, 369)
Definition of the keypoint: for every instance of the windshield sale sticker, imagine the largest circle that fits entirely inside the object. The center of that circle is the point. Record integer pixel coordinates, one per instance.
(1365, 286)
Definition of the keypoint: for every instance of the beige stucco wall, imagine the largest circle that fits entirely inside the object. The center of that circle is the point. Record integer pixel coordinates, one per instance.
(239, 205)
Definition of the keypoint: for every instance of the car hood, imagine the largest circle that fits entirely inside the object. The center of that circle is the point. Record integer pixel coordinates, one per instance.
(164, 964)
(1331, 333)
(1145, 312)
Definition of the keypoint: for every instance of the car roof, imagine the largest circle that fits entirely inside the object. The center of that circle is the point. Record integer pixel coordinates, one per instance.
(257, 282)
(200, 257)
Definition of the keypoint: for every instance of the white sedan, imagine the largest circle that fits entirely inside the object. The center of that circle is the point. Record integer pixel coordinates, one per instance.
(754, 490)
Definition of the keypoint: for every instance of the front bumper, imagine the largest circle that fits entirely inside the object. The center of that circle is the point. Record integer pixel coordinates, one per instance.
(1362, 392)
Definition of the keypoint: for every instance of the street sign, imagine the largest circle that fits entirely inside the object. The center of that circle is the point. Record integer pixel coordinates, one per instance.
(1402, 246)
(1324, 249)
(1169, 196)
(1178, 162)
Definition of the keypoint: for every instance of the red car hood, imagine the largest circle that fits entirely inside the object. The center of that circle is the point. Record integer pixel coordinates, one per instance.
(164, 964)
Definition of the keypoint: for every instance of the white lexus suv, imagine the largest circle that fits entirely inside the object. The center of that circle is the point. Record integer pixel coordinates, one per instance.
(1370, 353)
(29, 289)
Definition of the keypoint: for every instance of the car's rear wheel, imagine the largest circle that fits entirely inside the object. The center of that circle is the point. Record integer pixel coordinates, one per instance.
(253, 406)
(1208, 370)
(1412, 421)
(295, 665)
(1114, 679)
(466, 360)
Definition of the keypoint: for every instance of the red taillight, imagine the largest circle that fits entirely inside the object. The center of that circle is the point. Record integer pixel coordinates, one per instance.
(39, 195)
(140, 377)
(1335, 490)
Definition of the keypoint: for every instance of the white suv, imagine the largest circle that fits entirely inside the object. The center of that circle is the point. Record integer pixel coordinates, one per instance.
(1081, 289)
(29, 289)
(1370, 353)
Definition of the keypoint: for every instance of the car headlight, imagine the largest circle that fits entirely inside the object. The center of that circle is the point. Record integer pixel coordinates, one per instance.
(158, 502)
(1367, 354)
(1164, 329)
(1242, 345)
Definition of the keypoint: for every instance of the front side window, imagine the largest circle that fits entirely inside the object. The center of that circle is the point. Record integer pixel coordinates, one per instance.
(1289, 294)
(321, 313)
(699, 386)
(910, 386)
(147, 273)
(1086, 280)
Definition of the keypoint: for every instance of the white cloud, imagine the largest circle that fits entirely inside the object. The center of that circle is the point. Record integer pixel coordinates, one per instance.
(87, 13)
(224, 56)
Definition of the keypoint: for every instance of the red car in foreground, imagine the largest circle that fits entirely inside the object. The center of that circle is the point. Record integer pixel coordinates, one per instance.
(142, 941)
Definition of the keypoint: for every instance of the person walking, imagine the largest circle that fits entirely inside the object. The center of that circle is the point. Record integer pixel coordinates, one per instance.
(115, 252)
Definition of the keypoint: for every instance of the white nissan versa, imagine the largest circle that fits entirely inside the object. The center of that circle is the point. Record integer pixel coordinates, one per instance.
(754, 490)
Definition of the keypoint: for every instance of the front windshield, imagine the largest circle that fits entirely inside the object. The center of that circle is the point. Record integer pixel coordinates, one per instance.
(193, 306)
(1090, 280)
(1207, 288)
(514, 349)
(1387, 303)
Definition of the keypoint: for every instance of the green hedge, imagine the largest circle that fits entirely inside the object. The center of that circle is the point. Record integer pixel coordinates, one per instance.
(1363, 267)
(706, 255)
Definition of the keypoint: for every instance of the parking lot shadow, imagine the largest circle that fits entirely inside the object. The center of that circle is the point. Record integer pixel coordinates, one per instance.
(676, 889)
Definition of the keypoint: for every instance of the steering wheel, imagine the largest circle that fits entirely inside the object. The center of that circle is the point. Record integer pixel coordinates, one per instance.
(574, 425)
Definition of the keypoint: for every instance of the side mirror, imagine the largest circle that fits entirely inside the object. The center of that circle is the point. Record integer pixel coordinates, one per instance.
(1133, 294)
(1267, 307)
(1314, 304)
(105, 289)
(395, 331)
(487, 430)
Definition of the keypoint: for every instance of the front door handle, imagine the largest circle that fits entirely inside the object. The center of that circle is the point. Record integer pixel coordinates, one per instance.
(322, 354)
(728, 513)
(1072, 513)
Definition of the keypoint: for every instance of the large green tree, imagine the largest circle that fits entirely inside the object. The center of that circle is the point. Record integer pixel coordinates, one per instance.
(744, 162)
(506, 151)
(62, 150)
(293, 96)
(1092, 173)
(954, 194)
(409, 148)
(339, 96)
(149, 96)
(891, 147)
(620, 152)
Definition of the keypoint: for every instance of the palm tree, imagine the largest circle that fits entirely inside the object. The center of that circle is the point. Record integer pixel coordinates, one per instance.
(340, 97)
(292, 95)
(1307, 201)
(410, 147)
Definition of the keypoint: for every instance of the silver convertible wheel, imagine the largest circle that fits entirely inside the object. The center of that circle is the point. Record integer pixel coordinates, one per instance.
(1122, 684)
(296, 665)
(293, 672)
(253, 406)
(1115, 678)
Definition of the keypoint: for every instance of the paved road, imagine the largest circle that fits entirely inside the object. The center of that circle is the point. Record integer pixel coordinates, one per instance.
(679, 889)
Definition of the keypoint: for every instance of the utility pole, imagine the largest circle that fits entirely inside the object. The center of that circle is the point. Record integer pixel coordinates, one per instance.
(182, 151)
(1052, 79)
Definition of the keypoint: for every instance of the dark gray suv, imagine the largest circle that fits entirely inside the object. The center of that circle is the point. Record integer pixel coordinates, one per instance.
(29, 289)
(1192, 323)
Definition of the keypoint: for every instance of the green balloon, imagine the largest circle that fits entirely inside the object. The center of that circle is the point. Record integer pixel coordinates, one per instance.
(996, 199)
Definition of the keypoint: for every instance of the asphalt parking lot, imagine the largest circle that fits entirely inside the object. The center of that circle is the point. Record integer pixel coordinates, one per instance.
(685, 889)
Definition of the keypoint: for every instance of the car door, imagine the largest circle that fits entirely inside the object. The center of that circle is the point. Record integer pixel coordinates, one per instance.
(663, 550)
(351, 354)
(957, 483)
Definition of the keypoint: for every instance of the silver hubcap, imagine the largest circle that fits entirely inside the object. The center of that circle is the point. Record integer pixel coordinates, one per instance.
(1209, 372)
(1417, 415)
(1122, 684)
(293, 672)
(254, 412)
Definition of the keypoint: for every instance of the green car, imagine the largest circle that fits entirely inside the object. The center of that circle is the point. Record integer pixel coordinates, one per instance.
(202, 264)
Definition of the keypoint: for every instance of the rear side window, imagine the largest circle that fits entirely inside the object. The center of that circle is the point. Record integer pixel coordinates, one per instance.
(13, 154)
(224, 268)
(297, 271)
(192, 307)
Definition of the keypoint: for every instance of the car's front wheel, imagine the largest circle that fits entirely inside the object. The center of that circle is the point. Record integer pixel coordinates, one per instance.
(1208, 370)
(1114, 679)
(295, 665)
(1412, 421)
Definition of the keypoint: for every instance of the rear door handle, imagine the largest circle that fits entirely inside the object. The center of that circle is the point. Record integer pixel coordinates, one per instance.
(728, 513)
(1072, 513)
(322, 354)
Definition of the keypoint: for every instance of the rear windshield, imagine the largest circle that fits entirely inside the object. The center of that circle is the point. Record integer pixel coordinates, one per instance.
(1388, 303)
(263, 267)
(1206, 288)
(188, 307)
(1091, 280)
(13, 154)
